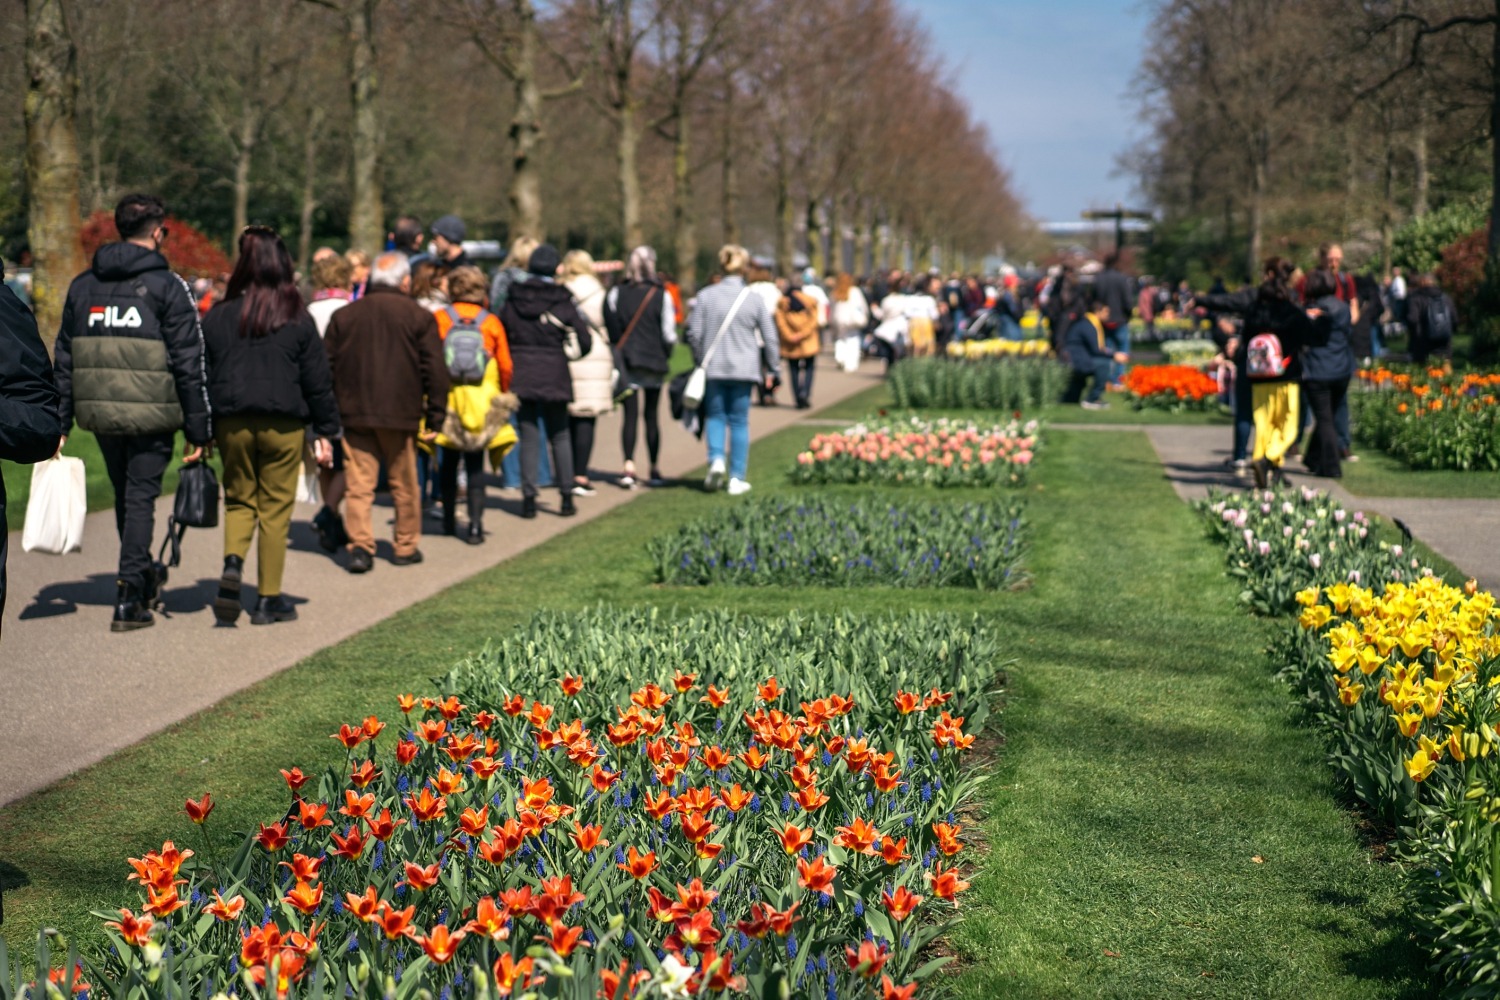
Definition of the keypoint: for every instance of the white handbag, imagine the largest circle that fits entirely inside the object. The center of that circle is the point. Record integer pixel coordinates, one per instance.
(57, 507)
(697, 383)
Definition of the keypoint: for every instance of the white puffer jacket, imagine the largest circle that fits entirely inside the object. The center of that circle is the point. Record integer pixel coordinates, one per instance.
(594, 373)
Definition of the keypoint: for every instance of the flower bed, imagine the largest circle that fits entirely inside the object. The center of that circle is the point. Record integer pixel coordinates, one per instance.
(613, 804)
(1430, 419)
(1188, 352)
(919, 452)
(991, 383)
(848, 542)
(1279, 542)
(999, 347)
(1402, 676)
(1171, 387)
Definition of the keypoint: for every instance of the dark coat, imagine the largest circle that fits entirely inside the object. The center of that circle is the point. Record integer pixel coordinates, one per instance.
(282, 374)
(645, 351)
(536, 347)
(1115, 290)
(1084, 345)
(1290, 325)
(29, 425)
(1329, 354)
(387, 363)
(130, 351)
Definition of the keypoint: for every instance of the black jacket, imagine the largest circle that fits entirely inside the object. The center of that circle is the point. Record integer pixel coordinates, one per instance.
(130, 351)
(1264, 314)
(283, 374)
(1085, 345)
(1114, 290)
(1329, 355)
(536, 347)
(1419, 306)
(645, 351)
(29, 426)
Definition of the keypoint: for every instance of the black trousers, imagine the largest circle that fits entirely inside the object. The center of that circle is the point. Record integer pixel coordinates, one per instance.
(449, 460)
(555, 416)
(1323, 451)
(135, 466)
(581, 433)
(645, 402)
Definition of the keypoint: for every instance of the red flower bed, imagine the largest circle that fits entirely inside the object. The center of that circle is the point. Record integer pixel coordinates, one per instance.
(1169, 386)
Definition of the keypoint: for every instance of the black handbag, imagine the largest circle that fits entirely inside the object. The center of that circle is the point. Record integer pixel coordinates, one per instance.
(196, 505)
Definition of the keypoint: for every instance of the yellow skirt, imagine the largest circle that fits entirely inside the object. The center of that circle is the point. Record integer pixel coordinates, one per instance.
(919, 328)
(1277, 408)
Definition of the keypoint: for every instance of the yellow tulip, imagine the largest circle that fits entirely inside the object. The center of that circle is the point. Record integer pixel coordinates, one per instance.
(1419, 766)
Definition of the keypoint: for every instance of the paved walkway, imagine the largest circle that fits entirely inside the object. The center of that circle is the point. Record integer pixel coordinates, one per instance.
(1465, 532)
(73, 692)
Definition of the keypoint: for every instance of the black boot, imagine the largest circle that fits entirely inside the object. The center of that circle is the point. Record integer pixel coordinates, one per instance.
(130, 611)
(273, 609)
(227, 605)
(323, 522)
(475, 535)
(450, 520)
(567, 509)
(528, 507)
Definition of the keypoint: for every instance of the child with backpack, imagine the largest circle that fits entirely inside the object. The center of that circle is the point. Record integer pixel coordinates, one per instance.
(479, 403)
(1275, 331)
(1431, 318)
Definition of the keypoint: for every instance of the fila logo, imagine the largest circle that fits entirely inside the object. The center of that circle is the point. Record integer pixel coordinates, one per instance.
(113, 316)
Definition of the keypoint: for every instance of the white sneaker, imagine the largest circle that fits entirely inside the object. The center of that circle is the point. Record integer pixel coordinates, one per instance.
(738, 487)
(583, 491)
(715, 478)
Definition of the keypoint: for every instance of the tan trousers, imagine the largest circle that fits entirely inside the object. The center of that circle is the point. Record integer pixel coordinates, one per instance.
(363, 452)
(262, 458)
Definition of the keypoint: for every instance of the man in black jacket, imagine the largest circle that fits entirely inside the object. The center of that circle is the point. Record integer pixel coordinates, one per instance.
(130, 368)
(29, 430)
(1116, 291)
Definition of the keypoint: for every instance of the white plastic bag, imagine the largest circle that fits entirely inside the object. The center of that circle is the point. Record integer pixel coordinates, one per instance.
(56, 510)
(307, 486)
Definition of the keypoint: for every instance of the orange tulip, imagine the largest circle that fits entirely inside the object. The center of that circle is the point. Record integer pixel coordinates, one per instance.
(351, 845)
(349, 736)
(372, 727)
(637, 864)
(198, 811)
(295, 779)
(406, 752)
(810, 798)
(406, 702)
(794, 838)
(900, 903)
(603, 780)
(382, 826)
(313, 815)
(587, 837)
(489, 920)
(304, 868)
(511, 975)
(754, 759)
(535, 794)
(272, 838)
(440, 944)
(135, 930)
(571, 685)
(868, 960)
(817, 875)
(419, 878)
(449, 782)
(356, 806)
(947, 837)
(226, 910)
(696, 827)
(907, 703)
(396, 923)
(660, 806)
(890, 991)
(485, 767)
(736, 798)
(363, 773)
(513, 706)
(161, 903)
(893, 852)
(769, 691)
(425, 807)
(450, 708)
(716, 697)
(474, 823)
(366, 907)
(683, 682)
(945, 883)
(432, 730)
(305, 897)
(564, 939)
(858, 836)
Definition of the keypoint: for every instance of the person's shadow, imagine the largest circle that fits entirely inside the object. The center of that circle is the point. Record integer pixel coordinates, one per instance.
(99, 590)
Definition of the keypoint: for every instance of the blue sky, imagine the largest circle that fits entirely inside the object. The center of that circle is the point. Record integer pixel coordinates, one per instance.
(1050, 79)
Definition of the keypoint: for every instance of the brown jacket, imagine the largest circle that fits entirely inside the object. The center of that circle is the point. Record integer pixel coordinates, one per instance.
(387, 361)
(798, 328)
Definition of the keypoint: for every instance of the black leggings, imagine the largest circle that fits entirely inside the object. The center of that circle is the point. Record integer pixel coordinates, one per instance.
(582, 431)
(473, 463)
(653, 426)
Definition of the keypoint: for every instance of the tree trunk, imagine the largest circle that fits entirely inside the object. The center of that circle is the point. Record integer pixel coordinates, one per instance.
(1494, 241)
(52, 168)
(630, 176)
(864, 261)
(786, 225)
(1257, 193)
(244, 155)
(366, 207)
(309, 188)
(684, 222)
(814, 237)
(1421, 174)
(729, 192)
(1388, 205)
(526, 132)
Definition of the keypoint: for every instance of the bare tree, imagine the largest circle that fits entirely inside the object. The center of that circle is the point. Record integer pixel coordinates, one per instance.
(52, 173)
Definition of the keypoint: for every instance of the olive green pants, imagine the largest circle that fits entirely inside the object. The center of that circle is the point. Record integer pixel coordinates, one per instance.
(262, 458)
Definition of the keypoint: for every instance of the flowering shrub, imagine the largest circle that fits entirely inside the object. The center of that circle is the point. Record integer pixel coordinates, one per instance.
(1429, 418)
(920, 452)
(1188, 352)
(1170, 387)
(190, 252)
(1002, 382)
(818, 540)
(995, 347)
(1279, 542)
(669, 823)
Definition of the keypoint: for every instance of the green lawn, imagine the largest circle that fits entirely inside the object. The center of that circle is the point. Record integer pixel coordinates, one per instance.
(1148, 756)
(1377, 474)
(81, 444)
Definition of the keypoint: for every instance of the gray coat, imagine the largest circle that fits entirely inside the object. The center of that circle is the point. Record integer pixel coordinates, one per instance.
(747, 344)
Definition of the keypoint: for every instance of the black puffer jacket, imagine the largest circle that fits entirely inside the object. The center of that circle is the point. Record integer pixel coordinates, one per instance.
(536, 346)
(129, 352)
(283, 374)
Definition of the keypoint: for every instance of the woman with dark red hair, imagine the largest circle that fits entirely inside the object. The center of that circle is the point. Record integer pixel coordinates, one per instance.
(268, 378)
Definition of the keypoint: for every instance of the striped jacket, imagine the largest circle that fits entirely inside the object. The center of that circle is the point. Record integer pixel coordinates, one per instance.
(747, 346)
